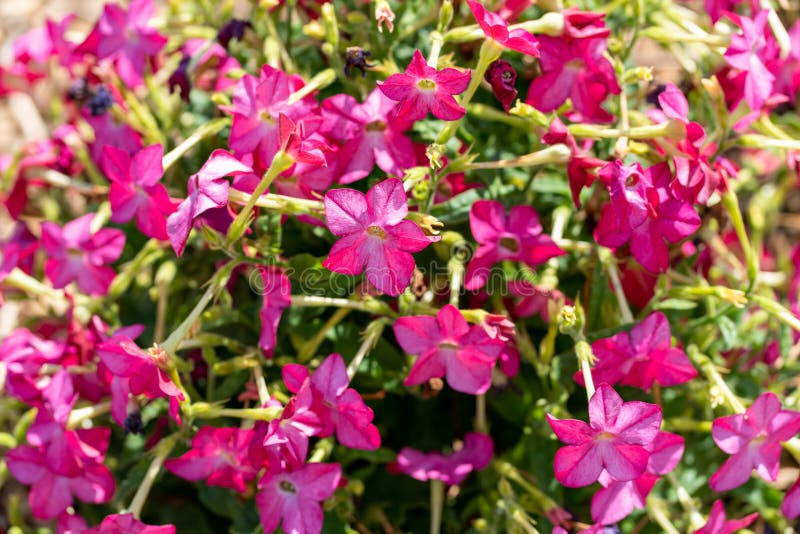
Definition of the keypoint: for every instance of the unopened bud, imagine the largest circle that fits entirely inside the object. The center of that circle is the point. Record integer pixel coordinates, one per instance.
(445, 16)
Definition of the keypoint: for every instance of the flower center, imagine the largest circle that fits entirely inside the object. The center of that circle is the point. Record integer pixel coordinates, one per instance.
(632, 180)
(375, 126)
(266, 116)
(448, 346)
(510, 243)
(287, 487)
(605, 436)
(159, 356)
(576, 64)
(376, 231)
(426, 84)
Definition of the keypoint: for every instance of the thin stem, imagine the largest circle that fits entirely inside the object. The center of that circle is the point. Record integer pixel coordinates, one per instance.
(78, 415)
(310, 347)
(208, 129)
(436, 47)
(437, 503)
(696, 520)
(371, 336)
(370, 306)
(261, 384)
(556, 154)
(163, 449)
(280, 203)
(280, 163)
(481, 422)
(613, 274)
(731, 203)
(217, 282)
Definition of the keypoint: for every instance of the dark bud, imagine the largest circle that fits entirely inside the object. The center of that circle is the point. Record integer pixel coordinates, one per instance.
(79, 91)
(101, 101)
(133, 423)
(501, 76)
(356, 57)
(180, 79)
(233, 29)
(652, 96)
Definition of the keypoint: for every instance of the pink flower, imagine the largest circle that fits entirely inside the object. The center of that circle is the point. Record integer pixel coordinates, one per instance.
(139, 373)
(535, 300)
(136, 191)
(644, 211)
(368, 135)
(615, 440)
(517, 236)
(62, 469)
(375, 236)
(126, 38)
(753, 439)
(448, 346)
(293, 497)
(75, 253)
(791, 501)
(125, 523)
(22, 355)
(495, 28)
(276, 294)
(109, 132)
(207, 190)
(718, 523)
(574, 69)
(283, 442)
(422, 88)
(745, 53)
(474, 455)
(641, 358)
(584, 24)
(338, 406)
(616, 500)
(257, 104)
(296, 140)
(218, 456)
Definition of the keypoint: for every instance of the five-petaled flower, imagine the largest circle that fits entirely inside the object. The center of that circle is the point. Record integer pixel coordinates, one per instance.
(474, 454)
(496, 29)
(616, 440)
(753, 439)
(374, 235)
(448, 346)
(423, 88)
(517, 236)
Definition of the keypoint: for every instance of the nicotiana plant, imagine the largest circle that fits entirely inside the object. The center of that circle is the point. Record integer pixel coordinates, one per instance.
(402, 265)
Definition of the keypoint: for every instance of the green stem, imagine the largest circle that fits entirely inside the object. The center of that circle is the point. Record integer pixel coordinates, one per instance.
(371, 336)
(310, 347)
(481, 421)
(216, 284)
(208, 129)
(556, 154)
(280, 163)
(372, 306)
(731, 203)
(437, 503)
(280, 203)
(163, 449)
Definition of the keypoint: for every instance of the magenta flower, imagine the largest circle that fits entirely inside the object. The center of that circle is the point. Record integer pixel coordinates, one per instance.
(375, 237)
(745, 53)
(284, 441)
(517, 236)
(218, 456)
(62, 469)
(474, 455)
(791, 501)
(718, 523)
(448, 346)
(617, 499)
(75, 253)
(368, 135)
(644, 211)
(495, 28)
(574, 69)
(136, 190)
(126, 38)
(615, 440)
(109, 132)
(641, 358)
(207, 190)
(338, 406)
(125, 523)
(139, 373)
(257, 104)
(753, 439)
(22, 355)
(276, 294)
(422, 89)
(293, 497)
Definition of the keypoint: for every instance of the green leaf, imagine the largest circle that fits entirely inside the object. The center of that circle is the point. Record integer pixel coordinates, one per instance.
(675, 304)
